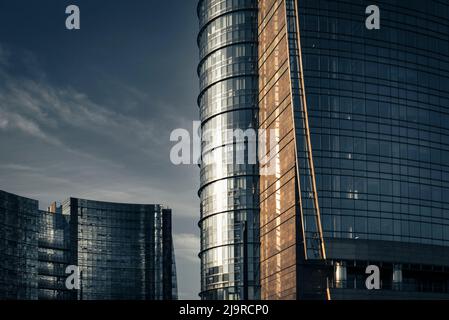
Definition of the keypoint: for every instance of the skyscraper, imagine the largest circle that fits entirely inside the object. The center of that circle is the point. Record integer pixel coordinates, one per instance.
(361, 117)
(360, 167)
(229, 191)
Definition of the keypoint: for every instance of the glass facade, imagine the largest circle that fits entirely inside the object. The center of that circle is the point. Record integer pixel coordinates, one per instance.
(379, 118)
(54, 255)
(278, 192)
(362, 161)
(18, 247)
(123, 251)
(229, 190)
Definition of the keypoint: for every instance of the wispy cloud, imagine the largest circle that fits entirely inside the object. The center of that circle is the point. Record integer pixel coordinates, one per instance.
(58, 141)
(16, 167)
(108, 154)
(15, 121)
(46, 112)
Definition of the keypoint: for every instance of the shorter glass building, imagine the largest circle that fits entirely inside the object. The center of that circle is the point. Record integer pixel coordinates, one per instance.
(18, 247)
(123, 251)
(54, 255)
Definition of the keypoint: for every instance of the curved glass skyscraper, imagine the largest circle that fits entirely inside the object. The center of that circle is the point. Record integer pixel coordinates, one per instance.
(229, 189)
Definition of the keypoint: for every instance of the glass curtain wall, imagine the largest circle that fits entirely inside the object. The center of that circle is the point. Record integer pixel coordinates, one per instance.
(229, 190)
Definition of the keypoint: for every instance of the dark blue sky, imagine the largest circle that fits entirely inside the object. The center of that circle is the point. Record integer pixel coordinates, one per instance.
(88, 113)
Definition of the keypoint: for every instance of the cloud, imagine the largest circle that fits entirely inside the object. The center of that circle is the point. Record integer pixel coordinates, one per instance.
(16, 167)
(187, 263)
(3, 122)
(58, 141)
(12, 120)
(187, 246)
(108, 154)
(35, 107)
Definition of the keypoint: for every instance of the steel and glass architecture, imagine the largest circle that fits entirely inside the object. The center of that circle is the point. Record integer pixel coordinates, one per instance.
(18, 247)
(362, 161)
(229, 222)
(55, 254)
(123, 251)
